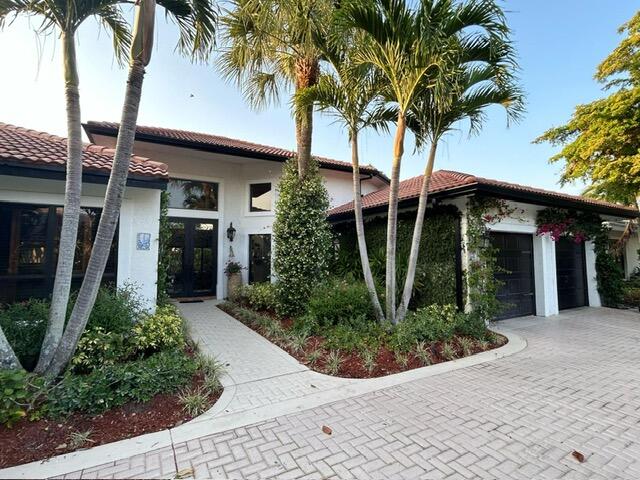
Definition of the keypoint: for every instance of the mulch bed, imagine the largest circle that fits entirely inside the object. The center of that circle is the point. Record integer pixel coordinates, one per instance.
(28, 441)
(352, 364)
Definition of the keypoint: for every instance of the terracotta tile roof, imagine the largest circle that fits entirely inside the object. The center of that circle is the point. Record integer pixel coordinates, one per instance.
(443, 180)
(30, 148)
(216, 141)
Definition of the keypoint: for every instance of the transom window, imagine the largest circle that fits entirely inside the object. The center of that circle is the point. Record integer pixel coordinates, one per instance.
(193, 195)
(260, 197)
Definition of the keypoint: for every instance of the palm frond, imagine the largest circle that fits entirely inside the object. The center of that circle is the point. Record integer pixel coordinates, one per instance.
(197, 22)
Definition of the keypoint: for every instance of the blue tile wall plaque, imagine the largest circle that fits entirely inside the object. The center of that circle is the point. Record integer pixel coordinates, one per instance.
(143, 241)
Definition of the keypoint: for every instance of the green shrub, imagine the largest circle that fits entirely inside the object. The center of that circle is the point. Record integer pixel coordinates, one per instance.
(259, 296)
(430, 324)
(18, 391)
(369, 335)
(339, 302)
(98, 348)
(302, 237)
(116, 309)
(161, 331)
(24, 325)
(115, 385)
(631, 296)
(470, 324)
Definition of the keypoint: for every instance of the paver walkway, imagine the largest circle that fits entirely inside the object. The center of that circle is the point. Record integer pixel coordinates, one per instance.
(575, 387)
(258, 372)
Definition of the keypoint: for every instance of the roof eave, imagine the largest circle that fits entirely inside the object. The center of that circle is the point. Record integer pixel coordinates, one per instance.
(92, 129)
(55, 172)
(502, 192)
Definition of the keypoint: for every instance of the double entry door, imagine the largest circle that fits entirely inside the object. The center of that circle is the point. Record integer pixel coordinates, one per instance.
(193, 257)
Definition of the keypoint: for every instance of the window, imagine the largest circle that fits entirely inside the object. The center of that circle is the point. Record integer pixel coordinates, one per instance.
(260, 197)
(29, 237)
(193, 195)
(259, 258)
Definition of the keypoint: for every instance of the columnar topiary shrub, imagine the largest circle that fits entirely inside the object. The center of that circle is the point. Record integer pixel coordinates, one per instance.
(301, 235)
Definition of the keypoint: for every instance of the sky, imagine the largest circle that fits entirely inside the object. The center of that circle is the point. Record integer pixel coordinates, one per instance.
(559, 44)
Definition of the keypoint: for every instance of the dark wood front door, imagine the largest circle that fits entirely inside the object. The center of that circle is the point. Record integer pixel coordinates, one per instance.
(259, 258)
(193, 257)
(571, 274)
(515, 261)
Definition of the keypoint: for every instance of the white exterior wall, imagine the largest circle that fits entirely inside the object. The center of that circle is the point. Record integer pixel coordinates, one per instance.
(139, 214)
(233, 175)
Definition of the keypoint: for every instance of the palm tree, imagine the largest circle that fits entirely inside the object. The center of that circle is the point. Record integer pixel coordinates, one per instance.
(352, 93)
(196, 20)
(481, 75)
(407, 55)
(270, 45)
(65, 17)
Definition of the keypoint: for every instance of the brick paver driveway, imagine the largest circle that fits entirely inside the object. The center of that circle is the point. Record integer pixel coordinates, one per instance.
(575, 387)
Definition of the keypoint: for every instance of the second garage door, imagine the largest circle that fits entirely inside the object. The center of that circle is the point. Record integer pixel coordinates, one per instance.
(571, 274)
(515, 258)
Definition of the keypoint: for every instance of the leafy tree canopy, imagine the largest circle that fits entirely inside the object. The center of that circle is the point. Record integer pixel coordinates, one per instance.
(601, 141)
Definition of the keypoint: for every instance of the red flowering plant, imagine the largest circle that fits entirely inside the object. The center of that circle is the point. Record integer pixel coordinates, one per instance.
(559, 223)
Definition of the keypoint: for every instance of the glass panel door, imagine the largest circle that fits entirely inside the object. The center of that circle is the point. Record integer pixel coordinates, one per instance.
(259, 258)
(192, 257)
(204, 268)
(176, 260)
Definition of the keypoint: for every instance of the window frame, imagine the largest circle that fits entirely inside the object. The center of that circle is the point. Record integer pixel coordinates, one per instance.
(201, 210)
(248, 197)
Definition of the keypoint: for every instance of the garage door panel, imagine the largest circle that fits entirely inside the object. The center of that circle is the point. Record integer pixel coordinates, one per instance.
(515, 258)
(571, 274)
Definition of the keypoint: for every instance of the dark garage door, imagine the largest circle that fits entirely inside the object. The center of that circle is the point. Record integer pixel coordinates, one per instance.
(571, 274)
(515, 257)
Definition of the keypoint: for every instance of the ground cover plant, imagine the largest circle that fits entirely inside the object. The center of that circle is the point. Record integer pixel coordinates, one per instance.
(132, 373)
(338, 333)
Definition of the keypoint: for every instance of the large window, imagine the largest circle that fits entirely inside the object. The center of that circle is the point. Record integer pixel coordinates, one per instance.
(260, 197)
(29, 237)
(193, 195)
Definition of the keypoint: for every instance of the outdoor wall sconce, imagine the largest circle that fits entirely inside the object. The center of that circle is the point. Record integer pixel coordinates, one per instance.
(231, 232)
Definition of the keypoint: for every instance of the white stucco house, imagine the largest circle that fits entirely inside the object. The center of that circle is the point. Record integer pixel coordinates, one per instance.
(222, 206)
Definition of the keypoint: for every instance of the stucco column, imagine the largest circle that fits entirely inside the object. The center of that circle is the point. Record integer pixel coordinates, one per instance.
(592, 283)
(544, 255)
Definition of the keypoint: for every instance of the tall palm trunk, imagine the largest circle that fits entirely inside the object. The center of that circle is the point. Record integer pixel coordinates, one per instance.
(392, 219)
(8, 359)
(108, 222)
(307, 71)
(71, 213)
(362, 242)
(417, 235)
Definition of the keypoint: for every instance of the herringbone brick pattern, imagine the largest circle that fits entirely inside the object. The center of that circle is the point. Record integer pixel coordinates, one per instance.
(576, 387)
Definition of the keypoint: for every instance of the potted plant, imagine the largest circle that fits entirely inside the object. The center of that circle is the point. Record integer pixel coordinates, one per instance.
(233, 270)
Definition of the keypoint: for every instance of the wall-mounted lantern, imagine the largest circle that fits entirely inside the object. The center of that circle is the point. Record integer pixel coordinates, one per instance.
(231, 232)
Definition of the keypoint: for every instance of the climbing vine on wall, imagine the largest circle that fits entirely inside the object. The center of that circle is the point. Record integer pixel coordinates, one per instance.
(579, 227)
(481, 284)
(163, 247)
(435, 280)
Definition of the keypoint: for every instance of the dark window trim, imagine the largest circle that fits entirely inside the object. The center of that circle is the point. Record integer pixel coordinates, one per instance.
(271, 189)
(249, 270)
(195, 180)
